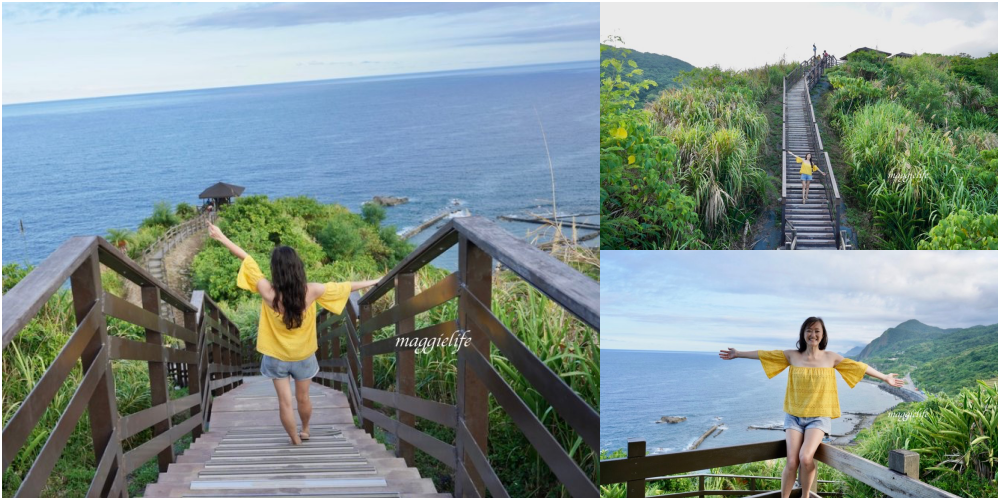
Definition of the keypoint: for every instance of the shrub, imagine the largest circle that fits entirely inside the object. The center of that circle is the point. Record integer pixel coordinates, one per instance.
(373, 213)
(162, 216)
(963, 230)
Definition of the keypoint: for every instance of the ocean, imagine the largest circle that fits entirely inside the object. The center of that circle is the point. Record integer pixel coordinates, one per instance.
(639, 387)
(462, 139)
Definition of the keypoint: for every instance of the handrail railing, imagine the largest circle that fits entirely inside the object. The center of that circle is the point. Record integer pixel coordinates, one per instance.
(211, 346)
(168, 239)
(900, 479)
(479, 242)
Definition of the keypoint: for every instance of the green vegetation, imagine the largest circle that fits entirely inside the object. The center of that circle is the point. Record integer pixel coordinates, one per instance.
(938, 360)
(919, 136)
(956, 437)
(686, 172)
(661, 69)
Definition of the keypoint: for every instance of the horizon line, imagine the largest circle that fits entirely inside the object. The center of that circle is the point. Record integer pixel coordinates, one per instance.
(415, 73)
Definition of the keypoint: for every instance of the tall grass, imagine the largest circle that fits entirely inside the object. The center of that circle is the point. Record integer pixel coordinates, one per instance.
(921, 144)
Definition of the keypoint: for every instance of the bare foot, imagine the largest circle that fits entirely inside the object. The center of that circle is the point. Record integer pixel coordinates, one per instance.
(304, 434)
(296, 440)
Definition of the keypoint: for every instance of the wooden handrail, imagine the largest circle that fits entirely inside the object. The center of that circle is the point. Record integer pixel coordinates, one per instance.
(638, 468)
(211, 349)
(479, 242)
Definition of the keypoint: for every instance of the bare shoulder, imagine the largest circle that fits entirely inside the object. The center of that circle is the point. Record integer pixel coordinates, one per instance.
(315, 291)
(790, 353)
(836, 357)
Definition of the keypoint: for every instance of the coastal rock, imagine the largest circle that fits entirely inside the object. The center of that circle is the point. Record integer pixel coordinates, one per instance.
(671, 420)
(390, 201)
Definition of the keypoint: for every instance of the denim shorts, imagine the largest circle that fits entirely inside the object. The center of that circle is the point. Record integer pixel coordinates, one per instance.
(299, 370)
(802, 423)
(807, 177)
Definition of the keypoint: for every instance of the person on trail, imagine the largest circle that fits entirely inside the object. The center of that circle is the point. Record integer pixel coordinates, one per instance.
(286, 332)
(810, 397)
(814, 51)
(808, 167)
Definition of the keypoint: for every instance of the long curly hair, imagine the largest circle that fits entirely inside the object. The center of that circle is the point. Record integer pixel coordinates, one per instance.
(288, 277)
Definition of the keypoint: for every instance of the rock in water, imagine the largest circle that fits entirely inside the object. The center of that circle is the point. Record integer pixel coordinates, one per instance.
(671, 420)
(390, 201)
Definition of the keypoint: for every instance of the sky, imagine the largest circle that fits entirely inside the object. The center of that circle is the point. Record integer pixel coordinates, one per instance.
(56, 51)
(749, 35)
(711, 300)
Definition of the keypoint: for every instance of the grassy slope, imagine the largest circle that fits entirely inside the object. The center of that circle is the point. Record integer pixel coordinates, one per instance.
(659, 68)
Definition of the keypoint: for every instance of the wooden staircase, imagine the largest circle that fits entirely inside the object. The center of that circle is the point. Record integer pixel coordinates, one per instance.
(812, 221)
(245, 455)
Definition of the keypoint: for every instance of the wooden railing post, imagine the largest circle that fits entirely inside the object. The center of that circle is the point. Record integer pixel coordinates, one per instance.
(475, 269)
(905, 462)
(367, 369)
(85, 284)
(335, 354)
(159, 387)
(637, 488)
(215, 332)
(701, 487)
(192, 376)
(405, 370)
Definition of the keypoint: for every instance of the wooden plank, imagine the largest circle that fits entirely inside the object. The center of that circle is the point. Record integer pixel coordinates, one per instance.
(131, 425)
(475, 268)
(443, 452)
(22, 303)
(19, 427)
(159, 388)
(405, 366)
(42, 467)
(482, 465)
(620, 470)
(142, 453)
(120, 308)
(576, 482)
(437, 294)
(569, 288)
(392, 344)
(333, 363)
(893, 484)
(434, 411)
(567, 403)
(636, 488)
(104, 470)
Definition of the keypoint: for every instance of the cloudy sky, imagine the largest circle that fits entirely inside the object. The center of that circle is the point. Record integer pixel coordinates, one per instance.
(69, 50)
(711, 300)
(748, 35)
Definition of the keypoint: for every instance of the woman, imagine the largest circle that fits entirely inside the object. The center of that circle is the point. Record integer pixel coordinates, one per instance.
(808, 167)
(811, 395)
(286, 334)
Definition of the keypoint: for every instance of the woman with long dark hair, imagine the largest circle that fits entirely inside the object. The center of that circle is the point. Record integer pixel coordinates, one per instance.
(811, 395)
(286, 334)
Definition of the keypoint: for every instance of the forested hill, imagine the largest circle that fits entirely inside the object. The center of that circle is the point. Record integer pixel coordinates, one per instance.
(659, 68)
(938, 359)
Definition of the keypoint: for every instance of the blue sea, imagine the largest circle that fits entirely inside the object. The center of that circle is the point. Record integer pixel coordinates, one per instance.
(472, 137)
(639, 387)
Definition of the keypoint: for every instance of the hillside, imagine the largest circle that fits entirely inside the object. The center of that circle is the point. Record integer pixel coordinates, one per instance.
(939, 360)
(659, 68)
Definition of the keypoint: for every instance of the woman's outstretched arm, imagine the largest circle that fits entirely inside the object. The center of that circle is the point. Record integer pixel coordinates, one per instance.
(889, 379)
(217, 235)
(358, 285)
(733, 354)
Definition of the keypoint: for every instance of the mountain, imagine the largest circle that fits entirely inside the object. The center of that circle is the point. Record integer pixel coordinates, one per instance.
(853, 352)
(659, 68)
(938, 359)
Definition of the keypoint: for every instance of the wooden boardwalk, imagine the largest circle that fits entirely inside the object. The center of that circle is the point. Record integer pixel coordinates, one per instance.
(247, 453)
(812, 221)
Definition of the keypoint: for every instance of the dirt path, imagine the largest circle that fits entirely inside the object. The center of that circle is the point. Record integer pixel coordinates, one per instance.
(177, 266)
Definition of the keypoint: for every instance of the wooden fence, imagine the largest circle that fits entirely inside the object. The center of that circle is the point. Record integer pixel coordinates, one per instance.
(211, 348)
(897, 480)
(347, 351)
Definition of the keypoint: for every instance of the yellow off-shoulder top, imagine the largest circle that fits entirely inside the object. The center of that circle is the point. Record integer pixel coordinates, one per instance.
(273, 338)
(812, 391)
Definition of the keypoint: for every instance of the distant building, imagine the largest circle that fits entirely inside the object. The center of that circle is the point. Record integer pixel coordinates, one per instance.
(219, 194)
(855, 51)
(901, 54)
